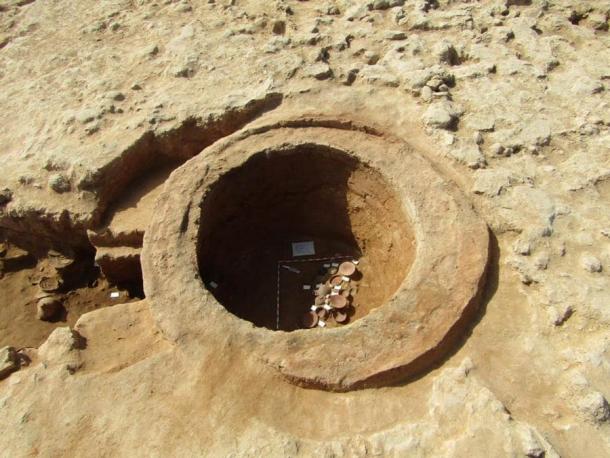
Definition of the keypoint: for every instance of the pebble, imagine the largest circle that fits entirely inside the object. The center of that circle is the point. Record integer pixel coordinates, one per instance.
(371, 58)
(59, 183)
(446, 53)
(561, 315)
(47, 308)
(350, 76)
(386, 4)
(319, 71)
(378, 74)
(481, 123)
(87, 115)
(278, 27)
(469, 155)
(426, 94)
(542, 261)
(591, 264)
(151, 50)
(6, 195)
(497, 149)
(441, 115)
(115, 95)
(184, 7)
(393, 35)
(9, 361)
(522, 247)
(595, 407)
(492, 182)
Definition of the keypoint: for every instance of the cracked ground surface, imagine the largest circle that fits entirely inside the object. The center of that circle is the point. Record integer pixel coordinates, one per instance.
(508, 99)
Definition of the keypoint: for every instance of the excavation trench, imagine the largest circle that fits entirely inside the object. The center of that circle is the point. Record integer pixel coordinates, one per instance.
(253, 214)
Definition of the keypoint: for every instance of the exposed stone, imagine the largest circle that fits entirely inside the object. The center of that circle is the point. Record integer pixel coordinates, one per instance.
(497, 149)
(59, 183)
(480, 122)
(48, 308)
(150, 50)
(378, 74)
(278, 27)
(560, 314)
(532, 446)
(117, 96)
(594, 407)
(9, 361)
(442, 115)
(6, 195)
(537, 132)
(522, 247)
(385, 4)
(371, 57)
(492, 182)
(61, 349)
(591, 263)
(541, 262)
(394, 35)
(15, 259)
(426, 94)
(88, 115)
(469, 155)
(446, 53)
(319, 71)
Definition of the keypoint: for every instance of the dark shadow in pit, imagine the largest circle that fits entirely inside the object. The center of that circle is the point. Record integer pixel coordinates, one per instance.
(461, 331)
(255, 212)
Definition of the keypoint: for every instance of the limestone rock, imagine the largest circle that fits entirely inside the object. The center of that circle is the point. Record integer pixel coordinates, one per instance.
(385, 4)
(522, 247)
(47, 308)
(536, 132)
(88, 115)
(6, 195)
(9, 361)
(492, 182)
(595, 407)
(61, 349)
(59, 183)
(446, 53)
(442, 115)
(591, 263)
(278, 27)
(378, 74)
(561, 313)
(371, 57)
(471, 156)
(393, 35)
(319, 71)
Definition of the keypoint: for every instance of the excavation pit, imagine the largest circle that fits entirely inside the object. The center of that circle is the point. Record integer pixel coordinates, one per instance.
(227, 216)
(254, 213)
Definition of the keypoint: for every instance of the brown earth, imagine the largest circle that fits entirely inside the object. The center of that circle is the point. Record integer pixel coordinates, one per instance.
(488, 120)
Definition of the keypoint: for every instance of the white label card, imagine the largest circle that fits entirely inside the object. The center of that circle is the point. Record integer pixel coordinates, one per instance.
(303, 248)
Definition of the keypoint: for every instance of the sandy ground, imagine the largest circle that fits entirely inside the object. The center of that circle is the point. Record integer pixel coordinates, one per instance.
(508, 99)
